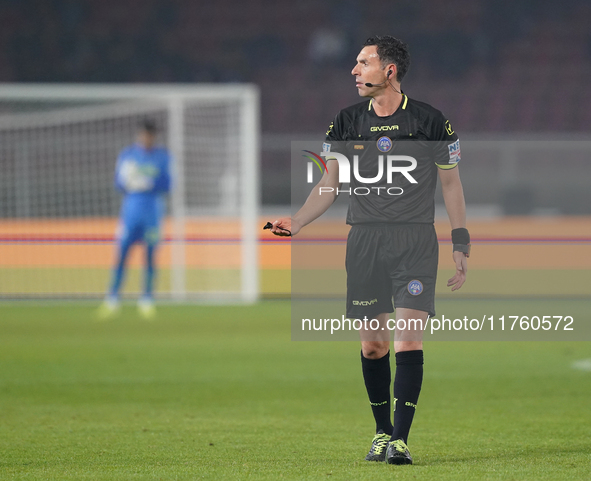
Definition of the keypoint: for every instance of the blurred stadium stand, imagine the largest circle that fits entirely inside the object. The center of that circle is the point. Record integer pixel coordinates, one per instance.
(491, 65)
(494, 66)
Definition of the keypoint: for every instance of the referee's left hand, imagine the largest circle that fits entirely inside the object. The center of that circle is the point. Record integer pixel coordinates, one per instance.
(459, 278)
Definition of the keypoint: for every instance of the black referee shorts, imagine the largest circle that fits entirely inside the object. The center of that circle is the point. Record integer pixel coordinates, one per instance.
(386, 261)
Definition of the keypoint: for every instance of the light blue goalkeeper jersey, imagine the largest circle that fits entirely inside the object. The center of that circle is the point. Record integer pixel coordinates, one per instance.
(143, 175)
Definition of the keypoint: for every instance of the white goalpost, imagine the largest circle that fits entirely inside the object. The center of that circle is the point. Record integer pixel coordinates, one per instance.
(59, 207)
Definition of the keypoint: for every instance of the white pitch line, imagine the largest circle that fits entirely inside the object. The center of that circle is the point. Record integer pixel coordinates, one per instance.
(582, 365)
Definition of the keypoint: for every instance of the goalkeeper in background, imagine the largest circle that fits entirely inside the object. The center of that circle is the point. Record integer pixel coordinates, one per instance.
(142, 175)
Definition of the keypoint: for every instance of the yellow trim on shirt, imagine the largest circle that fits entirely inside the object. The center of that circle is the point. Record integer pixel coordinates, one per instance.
(403, 105)
(446, 166)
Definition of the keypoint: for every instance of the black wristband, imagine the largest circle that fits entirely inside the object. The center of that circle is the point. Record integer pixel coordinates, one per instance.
(465, 249)
(460, 236)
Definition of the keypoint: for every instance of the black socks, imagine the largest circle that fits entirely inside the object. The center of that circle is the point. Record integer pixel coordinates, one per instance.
(377, 377)
(407, 387)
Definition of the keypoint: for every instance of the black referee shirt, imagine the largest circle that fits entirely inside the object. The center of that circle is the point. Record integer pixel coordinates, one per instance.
(415, 130)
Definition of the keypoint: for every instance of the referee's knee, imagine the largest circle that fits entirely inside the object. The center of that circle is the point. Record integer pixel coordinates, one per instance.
(374, 349)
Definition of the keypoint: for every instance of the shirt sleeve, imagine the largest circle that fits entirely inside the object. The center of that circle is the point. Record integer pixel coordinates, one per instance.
(447, 144)
(118, 184)
(163, 182)
(335, 136)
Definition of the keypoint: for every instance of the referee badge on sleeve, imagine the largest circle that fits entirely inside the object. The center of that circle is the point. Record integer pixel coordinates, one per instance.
(454, 152)
(415, 287)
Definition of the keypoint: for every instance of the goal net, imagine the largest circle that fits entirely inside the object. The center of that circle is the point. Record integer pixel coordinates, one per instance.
(59, 207)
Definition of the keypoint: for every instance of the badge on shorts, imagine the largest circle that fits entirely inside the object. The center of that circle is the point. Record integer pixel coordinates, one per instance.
(384, 144)
(415, 287)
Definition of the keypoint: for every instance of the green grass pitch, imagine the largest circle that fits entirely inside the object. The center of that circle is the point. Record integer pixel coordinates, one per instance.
(223, 393)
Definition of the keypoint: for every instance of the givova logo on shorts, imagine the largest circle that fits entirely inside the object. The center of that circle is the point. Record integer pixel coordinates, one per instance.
(365, 303)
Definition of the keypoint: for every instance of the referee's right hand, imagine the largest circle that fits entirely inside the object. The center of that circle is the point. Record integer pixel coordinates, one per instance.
(285, 227)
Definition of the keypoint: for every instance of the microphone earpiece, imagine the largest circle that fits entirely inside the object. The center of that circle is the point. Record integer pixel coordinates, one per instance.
(368, 84)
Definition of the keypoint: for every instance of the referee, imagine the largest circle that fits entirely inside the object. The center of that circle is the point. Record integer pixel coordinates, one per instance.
(392, 249)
